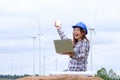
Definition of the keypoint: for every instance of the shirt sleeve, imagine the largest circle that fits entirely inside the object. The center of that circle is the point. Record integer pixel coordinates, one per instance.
(82, 52)
(61, 34)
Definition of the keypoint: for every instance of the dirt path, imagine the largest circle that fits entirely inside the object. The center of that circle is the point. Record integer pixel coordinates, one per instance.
(60, 77)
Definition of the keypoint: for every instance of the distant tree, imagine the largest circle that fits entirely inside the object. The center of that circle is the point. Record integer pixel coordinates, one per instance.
(102, 73)
(36, 74)
(111, 75)
(13, 76)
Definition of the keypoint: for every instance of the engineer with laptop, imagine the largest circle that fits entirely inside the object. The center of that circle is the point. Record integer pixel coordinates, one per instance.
(81, 45)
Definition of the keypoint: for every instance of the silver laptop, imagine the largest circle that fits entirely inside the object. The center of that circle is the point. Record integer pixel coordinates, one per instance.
(64, 45)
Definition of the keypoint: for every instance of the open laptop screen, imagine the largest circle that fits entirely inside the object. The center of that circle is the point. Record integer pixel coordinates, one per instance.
(64, 45)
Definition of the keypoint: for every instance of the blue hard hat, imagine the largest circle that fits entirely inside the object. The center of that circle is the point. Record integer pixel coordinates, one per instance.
(81, 25)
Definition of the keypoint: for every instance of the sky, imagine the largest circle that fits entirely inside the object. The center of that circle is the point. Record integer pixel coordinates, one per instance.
(21, 20)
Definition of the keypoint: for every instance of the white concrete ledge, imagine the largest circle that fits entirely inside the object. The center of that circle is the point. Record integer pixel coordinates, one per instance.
(84, 73)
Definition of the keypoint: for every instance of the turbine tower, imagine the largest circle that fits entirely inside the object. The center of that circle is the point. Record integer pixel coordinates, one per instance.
(34, 55)
(91, 53)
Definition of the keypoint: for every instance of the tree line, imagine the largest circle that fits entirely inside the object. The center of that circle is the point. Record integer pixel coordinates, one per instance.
(107, 75)
(13, 76)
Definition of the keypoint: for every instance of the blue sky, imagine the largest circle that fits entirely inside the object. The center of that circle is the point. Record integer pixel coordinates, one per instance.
(20, 20)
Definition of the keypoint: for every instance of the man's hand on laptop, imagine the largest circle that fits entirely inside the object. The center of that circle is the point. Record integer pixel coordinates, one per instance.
(69, 53)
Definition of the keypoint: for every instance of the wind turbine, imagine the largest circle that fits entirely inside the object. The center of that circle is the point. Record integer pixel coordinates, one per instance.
(56, 61)
(39, 37)
(91, 29)
(34, 55)
(44, 58)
